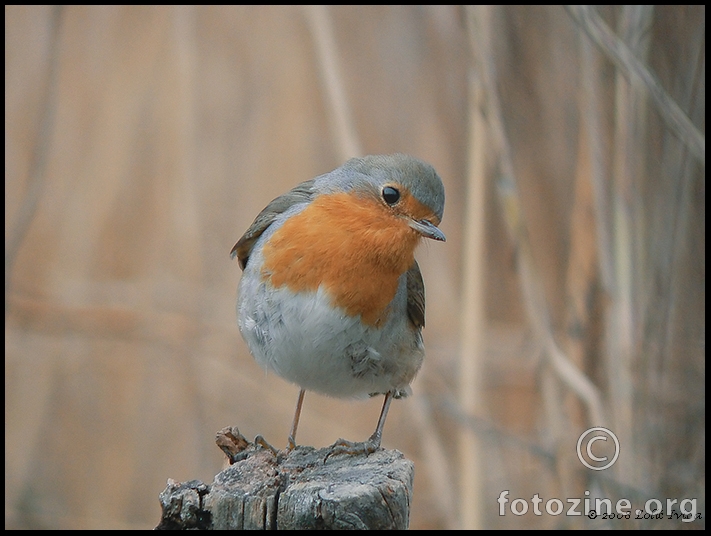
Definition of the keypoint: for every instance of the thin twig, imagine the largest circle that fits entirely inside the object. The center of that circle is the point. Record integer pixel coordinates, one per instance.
(625, 60)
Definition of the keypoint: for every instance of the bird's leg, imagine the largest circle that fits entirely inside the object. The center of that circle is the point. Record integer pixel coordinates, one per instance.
(378, 434)
(343, 446)
(295, 424)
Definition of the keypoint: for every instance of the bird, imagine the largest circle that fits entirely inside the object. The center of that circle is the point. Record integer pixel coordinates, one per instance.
(331, 297)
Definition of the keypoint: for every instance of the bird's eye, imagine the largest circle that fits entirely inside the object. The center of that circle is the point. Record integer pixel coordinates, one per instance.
(391, 195)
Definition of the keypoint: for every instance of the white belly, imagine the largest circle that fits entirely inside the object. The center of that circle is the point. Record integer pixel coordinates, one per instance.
(318, 347)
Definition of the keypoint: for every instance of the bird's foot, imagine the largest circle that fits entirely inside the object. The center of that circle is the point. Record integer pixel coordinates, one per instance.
(354, 448)
(259, 440)
(290, 446)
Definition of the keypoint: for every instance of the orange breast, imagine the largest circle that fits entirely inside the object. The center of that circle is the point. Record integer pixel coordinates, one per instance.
(352, 245)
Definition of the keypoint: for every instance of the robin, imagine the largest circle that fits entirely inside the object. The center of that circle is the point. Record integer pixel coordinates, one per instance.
(331, 297)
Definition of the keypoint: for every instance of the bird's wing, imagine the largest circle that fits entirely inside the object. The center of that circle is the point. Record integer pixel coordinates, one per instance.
(415, 296)
(301, 193)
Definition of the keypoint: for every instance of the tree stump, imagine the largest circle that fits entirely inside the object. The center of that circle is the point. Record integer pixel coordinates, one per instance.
(306, 488)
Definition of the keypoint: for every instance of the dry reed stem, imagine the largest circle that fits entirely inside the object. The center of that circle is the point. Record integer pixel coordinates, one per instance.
(620, 330)
(338, 109)
(592, 111)
(631, 67)
(38, 162)
(472, 320)
(582, 303)
(534, 301)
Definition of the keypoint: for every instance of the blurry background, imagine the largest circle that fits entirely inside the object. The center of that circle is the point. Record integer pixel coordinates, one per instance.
(140, 143)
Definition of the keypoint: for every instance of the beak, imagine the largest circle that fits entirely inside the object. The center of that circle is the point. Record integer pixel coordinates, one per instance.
(427, 229)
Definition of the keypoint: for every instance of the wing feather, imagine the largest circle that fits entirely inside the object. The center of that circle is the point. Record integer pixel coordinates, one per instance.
(301, 193)
(415, 296)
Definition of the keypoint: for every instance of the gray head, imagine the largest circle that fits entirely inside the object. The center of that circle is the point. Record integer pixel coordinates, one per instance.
(403, 182)
(417, 176)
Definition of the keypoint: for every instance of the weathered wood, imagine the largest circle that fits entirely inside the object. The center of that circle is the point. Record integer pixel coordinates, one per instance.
(307, 488)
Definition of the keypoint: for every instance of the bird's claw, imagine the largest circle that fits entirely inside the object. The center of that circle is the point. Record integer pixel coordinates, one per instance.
(259, 440)
(354, 448)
